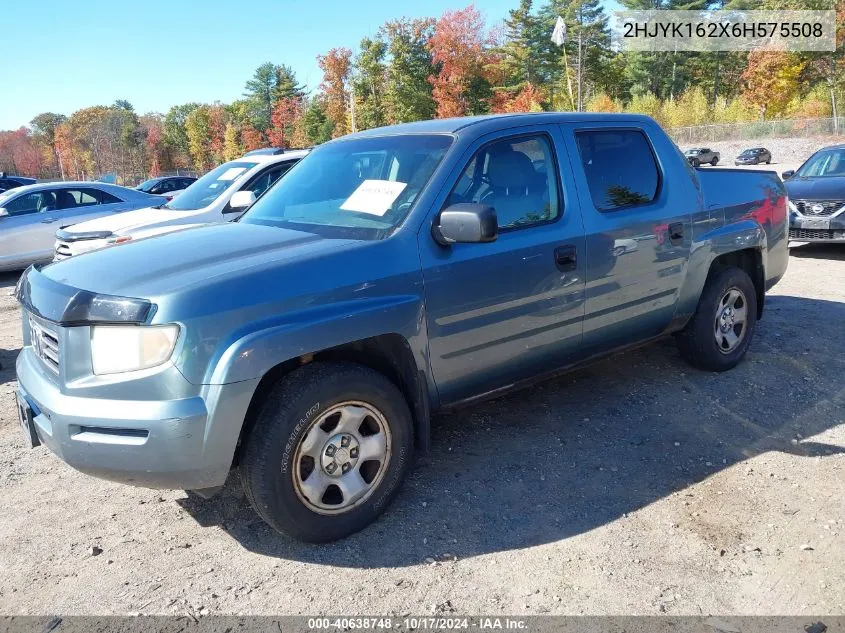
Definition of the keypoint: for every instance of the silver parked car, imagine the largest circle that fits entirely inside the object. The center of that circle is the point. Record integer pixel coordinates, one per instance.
(30, 215)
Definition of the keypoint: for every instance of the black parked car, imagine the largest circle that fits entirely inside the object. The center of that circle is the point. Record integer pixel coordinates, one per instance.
(754, 156)
(163, 185)
(701, 155)
(817, 197)
(10, 182)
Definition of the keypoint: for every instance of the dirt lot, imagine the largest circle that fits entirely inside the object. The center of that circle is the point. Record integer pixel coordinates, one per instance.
(636, 486)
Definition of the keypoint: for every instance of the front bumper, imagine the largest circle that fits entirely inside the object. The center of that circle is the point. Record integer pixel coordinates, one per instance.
(185, 443)
(831, 229)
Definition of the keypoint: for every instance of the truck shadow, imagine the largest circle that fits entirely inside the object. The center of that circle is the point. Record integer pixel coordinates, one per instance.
(581, 451)
(819, 251)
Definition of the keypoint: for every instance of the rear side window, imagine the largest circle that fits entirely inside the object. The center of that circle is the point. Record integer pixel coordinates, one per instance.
(620, 167)
(103, 196)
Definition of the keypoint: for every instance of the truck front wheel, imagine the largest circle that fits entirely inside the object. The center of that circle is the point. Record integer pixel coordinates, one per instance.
(328, 451)
(719, 333)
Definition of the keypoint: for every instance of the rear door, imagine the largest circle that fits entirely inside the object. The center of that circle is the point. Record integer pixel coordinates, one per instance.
(638, 232)
(507, 310)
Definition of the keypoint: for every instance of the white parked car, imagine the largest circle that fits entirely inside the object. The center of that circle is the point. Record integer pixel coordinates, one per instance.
(221, 195)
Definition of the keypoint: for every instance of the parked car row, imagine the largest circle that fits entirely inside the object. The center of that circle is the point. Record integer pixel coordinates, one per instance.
(391, 274)
(221, 195)
(11, 182)
(698, 156)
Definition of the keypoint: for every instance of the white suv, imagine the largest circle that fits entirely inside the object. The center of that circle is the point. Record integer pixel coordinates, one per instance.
(221, 195)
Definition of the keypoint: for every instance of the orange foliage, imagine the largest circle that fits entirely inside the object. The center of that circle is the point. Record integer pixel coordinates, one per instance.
(336, 65)
(458, 50)
(527, 99)
(285, 122)
(251, 138)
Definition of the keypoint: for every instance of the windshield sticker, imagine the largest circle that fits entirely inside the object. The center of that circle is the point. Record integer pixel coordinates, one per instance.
(374, 196)
(232, 173)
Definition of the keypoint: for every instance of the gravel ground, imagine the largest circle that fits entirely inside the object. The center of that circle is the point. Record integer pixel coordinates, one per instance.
(635, 486)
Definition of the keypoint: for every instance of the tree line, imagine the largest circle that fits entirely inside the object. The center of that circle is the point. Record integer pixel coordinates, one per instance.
(453, 65)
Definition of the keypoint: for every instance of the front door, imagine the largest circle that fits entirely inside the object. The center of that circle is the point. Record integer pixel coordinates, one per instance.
(506, 310)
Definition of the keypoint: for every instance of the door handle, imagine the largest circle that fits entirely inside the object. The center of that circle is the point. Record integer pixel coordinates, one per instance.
(676, 232)
(566, 258)
(48, 221)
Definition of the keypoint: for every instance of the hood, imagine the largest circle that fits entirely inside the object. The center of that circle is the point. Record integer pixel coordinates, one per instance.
(826, 188)
(190, 258)
(120, 223)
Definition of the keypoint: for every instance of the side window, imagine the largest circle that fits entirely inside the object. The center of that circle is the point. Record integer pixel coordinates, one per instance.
(266, 180)
(516, 177)
(36, 202)
(620, 167)
(103, 196)
(73, 198)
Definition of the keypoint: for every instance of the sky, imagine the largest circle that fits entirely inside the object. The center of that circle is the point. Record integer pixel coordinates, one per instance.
(156, 53)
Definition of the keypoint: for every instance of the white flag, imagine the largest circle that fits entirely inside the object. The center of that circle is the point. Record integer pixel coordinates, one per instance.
(559, 34)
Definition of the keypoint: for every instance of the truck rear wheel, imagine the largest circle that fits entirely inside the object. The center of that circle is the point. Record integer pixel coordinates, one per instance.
(719, 333)
(328, 451)
(715, 161)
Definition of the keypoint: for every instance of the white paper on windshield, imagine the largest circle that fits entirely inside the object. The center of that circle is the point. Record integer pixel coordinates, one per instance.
(231, 173)
(374, 196)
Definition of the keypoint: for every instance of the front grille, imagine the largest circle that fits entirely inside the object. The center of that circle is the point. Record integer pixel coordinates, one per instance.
(62, 251)
(818, 208)
(816, 234)
(44, 339)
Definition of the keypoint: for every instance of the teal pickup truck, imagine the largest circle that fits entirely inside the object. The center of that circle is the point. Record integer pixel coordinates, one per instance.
(392, 273)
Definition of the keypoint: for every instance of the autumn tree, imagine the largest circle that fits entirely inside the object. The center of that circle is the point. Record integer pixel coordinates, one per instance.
(285, 121)
(198, 131)
(19, 153)
(231, 142)
(44, 136)
(771, 81)
(459, 52)
(336, 66)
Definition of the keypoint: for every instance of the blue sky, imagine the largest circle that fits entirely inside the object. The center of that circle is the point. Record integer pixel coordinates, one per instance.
(155, 54)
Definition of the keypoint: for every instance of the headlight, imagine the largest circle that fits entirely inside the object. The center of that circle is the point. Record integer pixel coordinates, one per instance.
(120, 348)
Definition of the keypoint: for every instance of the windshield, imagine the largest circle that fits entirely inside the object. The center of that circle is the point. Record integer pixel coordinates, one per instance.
(210, 187)
(692, 151)
(363, 187)
(748, 152)
(7, 195)
(825, 163)
(148, 184)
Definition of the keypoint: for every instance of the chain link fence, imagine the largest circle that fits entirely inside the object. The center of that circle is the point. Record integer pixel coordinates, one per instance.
(787, 128)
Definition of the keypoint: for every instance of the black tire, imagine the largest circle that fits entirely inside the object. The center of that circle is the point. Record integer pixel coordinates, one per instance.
(756, 161)
(697, 341)
(289, 412)
(696, 162)
(715, 161)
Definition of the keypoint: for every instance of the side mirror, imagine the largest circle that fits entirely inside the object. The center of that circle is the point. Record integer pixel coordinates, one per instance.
(466, 223)
(789, 173)
(3, 212)
(241, 200)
